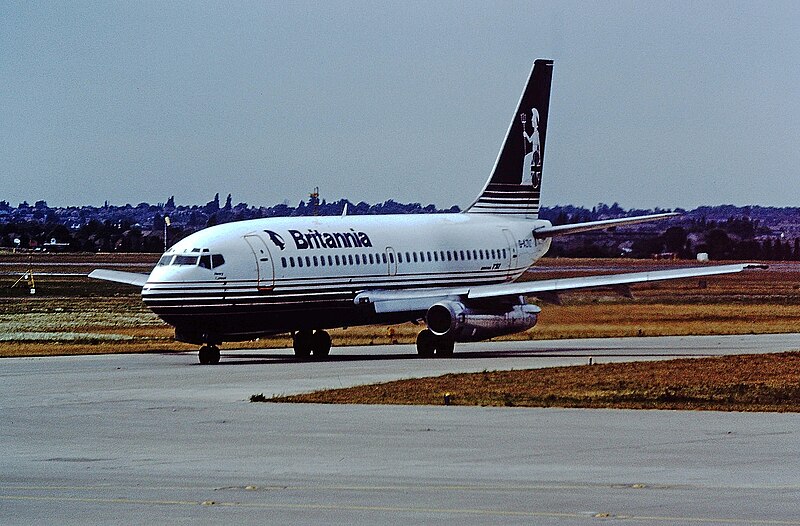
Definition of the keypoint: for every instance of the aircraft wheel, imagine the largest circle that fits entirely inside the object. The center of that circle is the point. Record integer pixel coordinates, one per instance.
(426, 343)
(302, 341)
(209, 354)
(214, 355)
(321, 344)
(444, 347)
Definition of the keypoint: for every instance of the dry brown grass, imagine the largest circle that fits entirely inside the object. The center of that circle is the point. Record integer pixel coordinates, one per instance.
(763, 382)
(75, 315)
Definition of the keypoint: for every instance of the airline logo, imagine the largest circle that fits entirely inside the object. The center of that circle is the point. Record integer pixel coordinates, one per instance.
(276, 238)
(532, 162)
(313, 239)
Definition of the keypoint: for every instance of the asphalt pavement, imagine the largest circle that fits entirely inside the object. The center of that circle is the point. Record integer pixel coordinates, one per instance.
(157, 438)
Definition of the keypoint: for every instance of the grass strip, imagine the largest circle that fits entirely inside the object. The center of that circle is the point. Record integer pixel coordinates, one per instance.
(754, 382)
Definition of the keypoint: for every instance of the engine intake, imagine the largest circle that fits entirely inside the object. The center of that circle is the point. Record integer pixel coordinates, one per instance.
(454, 320)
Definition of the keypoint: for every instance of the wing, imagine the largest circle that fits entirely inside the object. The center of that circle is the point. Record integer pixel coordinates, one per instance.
(128, 278)
(420, 299)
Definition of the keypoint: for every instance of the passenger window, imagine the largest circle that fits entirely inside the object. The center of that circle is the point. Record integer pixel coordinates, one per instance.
(455, 255)
(474, 254)
(383, 256)
(291, 262)
(504, 254)
(322, 260)
(469, 256)
(436, 256)
(283, 262)
(449, 256)
(316, 263)
(371, 260)
(408, 257)
(350, 258)
(358, 259)
(391, 257)
(337, 260)
(441, 255)
(493, 256)
(399, 257)
(300, 262)
(462, 255)
(308, 261)
(415, 257)
(330, 261)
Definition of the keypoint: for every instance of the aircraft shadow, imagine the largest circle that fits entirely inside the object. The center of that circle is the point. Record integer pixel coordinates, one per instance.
(241, 358)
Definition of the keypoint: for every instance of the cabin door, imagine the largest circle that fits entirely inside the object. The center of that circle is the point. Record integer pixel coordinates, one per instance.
(512, 251)
(265, 268)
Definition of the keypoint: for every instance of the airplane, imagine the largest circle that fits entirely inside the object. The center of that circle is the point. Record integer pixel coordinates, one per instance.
(458, 271)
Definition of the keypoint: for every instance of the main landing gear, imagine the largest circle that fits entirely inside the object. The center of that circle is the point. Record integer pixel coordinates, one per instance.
(429, 344)
(209, 354)
(306, 343)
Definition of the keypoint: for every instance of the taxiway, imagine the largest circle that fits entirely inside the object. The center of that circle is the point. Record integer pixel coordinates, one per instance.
(156, 438)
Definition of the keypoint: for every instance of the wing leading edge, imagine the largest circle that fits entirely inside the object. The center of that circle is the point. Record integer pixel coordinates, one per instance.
(420, 299)
(117, 276)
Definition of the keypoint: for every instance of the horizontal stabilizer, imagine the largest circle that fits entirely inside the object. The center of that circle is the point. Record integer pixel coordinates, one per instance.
(128, 278)
(563, 230)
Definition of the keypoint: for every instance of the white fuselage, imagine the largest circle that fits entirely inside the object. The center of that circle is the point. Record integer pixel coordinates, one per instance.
(287, 274)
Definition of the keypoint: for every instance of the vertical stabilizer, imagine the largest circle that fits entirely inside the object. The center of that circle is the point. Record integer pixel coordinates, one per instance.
(516, 180)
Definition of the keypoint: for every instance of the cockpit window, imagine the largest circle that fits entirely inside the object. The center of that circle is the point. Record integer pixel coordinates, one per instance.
(205, 261)
(217, 260)
(165, 260)
(185, 260)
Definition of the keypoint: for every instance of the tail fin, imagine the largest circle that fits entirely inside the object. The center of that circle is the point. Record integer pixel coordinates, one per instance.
(516, 179)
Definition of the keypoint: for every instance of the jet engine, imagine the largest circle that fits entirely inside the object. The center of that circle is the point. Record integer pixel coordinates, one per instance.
(452, 319)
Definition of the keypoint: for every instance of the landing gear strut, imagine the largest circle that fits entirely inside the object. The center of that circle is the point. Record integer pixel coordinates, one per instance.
(209, 354)
(306, 343)
(429, 344)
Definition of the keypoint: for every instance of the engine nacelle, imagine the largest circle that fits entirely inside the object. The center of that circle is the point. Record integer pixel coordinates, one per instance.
(454, 320)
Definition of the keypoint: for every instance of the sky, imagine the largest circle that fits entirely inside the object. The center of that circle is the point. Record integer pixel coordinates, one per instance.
(654, 104)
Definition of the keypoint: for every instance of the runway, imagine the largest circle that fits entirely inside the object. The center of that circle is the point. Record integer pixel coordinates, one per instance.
(140, 439)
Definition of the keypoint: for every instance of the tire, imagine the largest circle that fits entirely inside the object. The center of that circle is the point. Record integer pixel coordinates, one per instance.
(204, 355)
(444, 347)
(302, 342)
(321, 344)
(426, 344)
(214, 356)
(208, 355)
